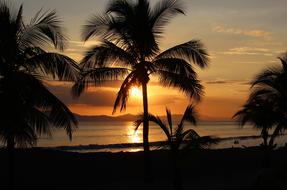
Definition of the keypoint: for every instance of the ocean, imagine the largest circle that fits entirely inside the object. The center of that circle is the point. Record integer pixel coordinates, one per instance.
(120, 136)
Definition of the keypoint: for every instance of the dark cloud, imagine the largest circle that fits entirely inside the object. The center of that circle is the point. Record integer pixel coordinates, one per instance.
(98, 97)
(106, 96)
(217, 82)
(165, 99)
(238, 82)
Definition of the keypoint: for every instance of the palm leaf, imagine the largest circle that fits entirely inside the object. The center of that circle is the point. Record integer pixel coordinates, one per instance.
(175, 65)
(59, 115)
(106, 54)
(123, 94)
(169, 119)
(192, 51)
(55, 65)
(96, 77)
(156, 120)
(190, 85)
(190, 115)
(162, 13)
(45, 28)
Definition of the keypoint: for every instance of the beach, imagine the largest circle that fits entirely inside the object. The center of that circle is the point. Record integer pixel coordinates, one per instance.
(234, 168)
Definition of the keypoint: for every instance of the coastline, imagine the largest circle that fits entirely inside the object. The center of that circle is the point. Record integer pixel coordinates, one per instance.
(133, 147)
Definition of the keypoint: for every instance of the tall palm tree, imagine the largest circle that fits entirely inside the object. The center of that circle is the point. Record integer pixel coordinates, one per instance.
(129, 33)
(28, 108)
(267, 104)
(179, 138)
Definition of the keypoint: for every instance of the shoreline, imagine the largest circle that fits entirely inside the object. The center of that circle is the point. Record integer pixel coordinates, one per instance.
(154, 145)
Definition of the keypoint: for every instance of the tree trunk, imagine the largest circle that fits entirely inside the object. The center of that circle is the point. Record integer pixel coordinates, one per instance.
(266, 159)
(265, 137)
(274, 135)
(11, 164)
(145, 135)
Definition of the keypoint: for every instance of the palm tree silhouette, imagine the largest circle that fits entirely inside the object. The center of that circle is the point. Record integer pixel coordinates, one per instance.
(258, 111)
(28, 108)
(129, 33)
(266, 106)
(179, 138)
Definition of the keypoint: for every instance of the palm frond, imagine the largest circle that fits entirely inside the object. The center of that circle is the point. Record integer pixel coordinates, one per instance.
(190, 85)
(162, 13)
(38, 120)
(169, 119)
(98, 26)
(55, 65)
(192, 51)
(190, 115)
(123, 94)
(260, 112)
(121, 8)
(59, 115)
(266, 77)
(97, 77)
(45, 28)
(156, 120)
(106, 54)
(175, 65)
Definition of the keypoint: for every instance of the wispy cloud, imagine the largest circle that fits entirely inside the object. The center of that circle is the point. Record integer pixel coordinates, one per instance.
(237, 31)
(227, 82)
(249, 51)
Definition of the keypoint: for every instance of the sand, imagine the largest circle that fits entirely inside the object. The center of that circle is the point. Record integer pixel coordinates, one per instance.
(200, 169)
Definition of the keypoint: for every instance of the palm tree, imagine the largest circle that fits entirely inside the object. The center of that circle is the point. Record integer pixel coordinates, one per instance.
(129, 33)
(271, 83)
(179, 138)
(28, 108)
(259, 111)
(266, 106)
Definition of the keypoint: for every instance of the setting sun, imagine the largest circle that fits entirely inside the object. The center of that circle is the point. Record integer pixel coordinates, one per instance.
(135, 91)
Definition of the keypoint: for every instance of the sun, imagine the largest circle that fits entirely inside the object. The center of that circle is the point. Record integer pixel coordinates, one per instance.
(136, 92)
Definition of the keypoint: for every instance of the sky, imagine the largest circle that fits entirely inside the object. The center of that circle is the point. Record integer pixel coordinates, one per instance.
(242, 37)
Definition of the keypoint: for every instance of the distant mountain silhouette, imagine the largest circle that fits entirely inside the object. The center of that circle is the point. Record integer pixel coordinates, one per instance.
(131, 117)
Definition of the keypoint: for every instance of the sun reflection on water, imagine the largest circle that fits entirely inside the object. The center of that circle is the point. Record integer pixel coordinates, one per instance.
(134, 136)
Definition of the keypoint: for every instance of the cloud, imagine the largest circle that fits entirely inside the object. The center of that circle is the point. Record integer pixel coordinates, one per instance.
(103, 96)
(232, 82)
(217, 82)
(251, 33)
(248, 51)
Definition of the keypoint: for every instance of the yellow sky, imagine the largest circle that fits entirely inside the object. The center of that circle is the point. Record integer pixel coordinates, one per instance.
(242, 37)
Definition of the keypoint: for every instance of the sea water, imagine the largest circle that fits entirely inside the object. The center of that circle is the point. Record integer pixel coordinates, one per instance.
(117, 136)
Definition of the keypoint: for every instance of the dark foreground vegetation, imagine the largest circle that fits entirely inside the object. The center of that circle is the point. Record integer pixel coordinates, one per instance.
(200, 169)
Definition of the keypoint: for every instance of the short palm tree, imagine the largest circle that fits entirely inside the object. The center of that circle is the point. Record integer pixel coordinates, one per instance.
(28, 108)
(266, 107)
(129, 33)
(178, 138)
(258, 111)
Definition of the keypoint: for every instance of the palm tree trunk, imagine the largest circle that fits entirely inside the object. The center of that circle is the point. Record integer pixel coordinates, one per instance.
(274, 135)
(145, 135)
(11, 160)
(266, 159)
(265, 137)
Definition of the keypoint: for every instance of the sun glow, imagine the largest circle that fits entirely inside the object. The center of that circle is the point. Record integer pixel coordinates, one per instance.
(134, 136)
(135, 91)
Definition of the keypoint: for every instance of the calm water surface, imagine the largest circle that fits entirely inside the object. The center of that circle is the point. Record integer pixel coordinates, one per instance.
(110, 133)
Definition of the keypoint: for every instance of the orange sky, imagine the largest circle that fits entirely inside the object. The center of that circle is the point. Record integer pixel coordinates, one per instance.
(242, 37)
